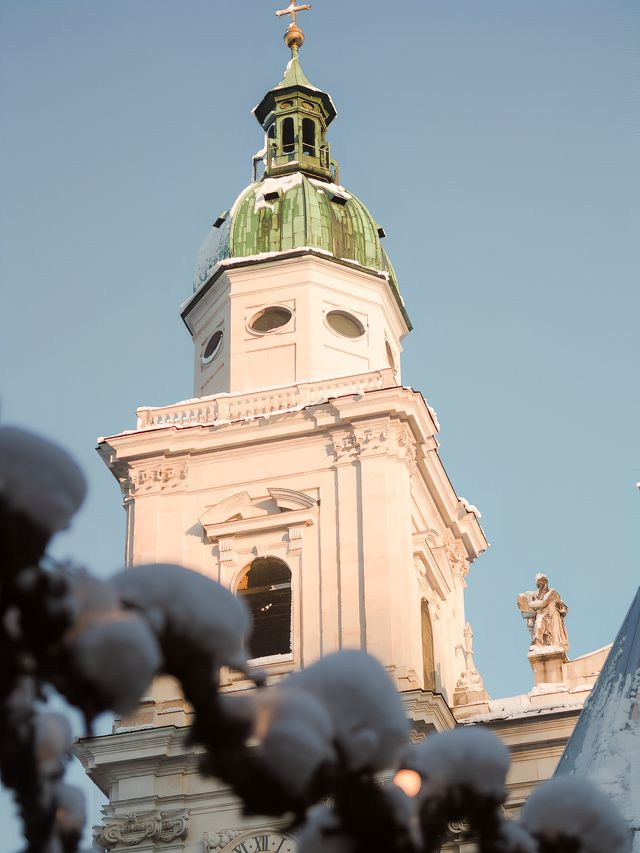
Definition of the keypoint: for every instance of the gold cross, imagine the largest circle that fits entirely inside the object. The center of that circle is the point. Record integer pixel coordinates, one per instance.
(292, 10)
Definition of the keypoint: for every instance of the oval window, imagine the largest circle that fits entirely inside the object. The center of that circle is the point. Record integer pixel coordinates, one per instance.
(345, 324)
(213, 347)
(270, 319)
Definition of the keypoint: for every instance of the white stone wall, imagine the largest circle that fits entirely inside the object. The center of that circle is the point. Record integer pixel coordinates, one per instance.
(367, 533)
(304, 349)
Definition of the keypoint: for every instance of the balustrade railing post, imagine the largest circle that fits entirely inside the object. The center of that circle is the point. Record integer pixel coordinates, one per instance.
(260, 403)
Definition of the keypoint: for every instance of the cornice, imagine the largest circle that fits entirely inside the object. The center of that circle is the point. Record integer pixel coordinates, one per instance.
(157, 751)
(303, 256)
(402, 405)
(423, 706)
(533, 723)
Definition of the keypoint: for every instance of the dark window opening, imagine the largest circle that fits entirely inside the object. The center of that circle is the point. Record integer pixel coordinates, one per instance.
(308, 137)
(428, 656)
(288, 137)
(270, 318)
(213, 346)
(271, 133)
(345, 324)
(339, 199)
(266, 588)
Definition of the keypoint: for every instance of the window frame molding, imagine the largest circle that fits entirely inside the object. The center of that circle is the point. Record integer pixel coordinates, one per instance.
(238, 526)
(279, 657)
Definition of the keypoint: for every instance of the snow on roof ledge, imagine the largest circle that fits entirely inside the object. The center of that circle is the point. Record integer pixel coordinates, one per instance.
(529, 705)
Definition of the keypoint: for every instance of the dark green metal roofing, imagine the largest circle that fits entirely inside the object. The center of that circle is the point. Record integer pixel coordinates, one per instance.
(294, 79)
(294, 76)
(301, 212)
(605, 744)
(295, 205)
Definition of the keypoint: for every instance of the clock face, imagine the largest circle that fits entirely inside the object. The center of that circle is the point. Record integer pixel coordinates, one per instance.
(261, 841)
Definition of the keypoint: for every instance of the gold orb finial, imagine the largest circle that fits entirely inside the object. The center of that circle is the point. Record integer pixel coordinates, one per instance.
(294, 37)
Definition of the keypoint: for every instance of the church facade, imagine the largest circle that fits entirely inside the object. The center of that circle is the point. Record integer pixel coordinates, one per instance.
(306, 478)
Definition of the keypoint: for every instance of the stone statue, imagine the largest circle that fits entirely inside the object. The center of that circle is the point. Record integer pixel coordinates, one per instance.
(470, 686)
(544, 611)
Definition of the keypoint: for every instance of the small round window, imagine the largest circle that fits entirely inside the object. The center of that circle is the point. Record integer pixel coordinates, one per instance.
(345, 324)
(212, 348)
(270, 319)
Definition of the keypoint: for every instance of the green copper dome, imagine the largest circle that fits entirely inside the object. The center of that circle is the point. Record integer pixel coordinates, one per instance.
(294, 212)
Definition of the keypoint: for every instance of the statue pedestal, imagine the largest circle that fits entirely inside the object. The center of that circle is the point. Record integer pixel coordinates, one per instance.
(547, 665)
(469, 695)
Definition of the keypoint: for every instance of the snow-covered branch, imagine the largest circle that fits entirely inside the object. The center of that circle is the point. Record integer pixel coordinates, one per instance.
(331, 733)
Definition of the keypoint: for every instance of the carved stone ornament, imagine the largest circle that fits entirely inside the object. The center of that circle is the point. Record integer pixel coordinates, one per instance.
(153, 478)
(455, 553)
(348, 445)
(345, 446)
(225, 546)
(215, 843)
(458, 830)
(373, 437)
(256, 840)
(132, 829)
(295, 540)
(407, 443)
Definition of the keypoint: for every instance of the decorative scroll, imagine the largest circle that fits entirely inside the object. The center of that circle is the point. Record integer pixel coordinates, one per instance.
(345, 446)
(389, 437)
(153, 478)
(215, 843)
(225, 545)
(455, 553)
(295, 540)
(133, 829)
(458, 830)
(372, 438)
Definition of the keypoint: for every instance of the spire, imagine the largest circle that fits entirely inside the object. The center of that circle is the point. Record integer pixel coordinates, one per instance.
(294, 37)
(295, 116)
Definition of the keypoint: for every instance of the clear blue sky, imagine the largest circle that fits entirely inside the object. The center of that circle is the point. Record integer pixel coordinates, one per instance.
(496, 141)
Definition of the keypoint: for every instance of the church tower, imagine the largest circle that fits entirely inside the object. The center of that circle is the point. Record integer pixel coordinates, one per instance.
(302, 475)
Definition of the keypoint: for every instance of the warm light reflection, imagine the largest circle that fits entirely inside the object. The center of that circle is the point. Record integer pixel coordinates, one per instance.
(409, 781)
(262, 721)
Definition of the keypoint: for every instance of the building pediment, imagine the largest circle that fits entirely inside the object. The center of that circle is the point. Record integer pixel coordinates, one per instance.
(237, 507)
(288, 500)
(281, 508)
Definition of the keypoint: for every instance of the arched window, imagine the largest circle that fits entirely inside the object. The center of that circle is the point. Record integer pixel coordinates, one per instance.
(308, 137)
(428, 656)
(288, 136)
(266, 588)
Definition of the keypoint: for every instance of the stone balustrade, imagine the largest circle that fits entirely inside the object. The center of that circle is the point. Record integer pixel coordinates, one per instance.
(225, 408)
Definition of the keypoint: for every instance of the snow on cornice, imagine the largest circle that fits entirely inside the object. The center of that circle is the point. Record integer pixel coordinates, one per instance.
(521, 707)
(469, 507)
(229, 263)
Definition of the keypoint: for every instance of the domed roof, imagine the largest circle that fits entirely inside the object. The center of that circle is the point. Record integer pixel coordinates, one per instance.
(296, 206)
(277, 215)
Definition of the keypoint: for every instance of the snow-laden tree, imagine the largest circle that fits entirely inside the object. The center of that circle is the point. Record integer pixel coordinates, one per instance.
(329, 733)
